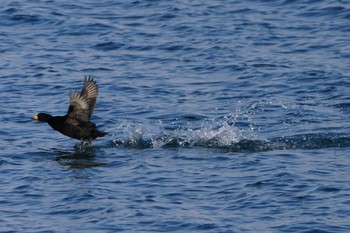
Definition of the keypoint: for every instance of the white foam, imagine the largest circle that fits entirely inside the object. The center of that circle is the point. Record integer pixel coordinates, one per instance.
(208, 134)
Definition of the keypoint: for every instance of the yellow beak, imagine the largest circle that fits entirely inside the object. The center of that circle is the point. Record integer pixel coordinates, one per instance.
(35, 118)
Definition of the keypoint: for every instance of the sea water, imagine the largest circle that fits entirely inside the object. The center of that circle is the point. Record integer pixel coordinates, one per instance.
(222, 116)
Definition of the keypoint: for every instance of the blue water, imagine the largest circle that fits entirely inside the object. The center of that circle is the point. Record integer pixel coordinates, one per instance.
(223, 116)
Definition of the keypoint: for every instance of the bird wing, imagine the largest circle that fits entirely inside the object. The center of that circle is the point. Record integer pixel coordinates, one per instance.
(82, 104)
(78, 111)
(89, 92)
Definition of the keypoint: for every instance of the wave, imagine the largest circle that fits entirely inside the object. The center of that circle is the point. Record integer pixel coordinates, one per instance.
(223, 136)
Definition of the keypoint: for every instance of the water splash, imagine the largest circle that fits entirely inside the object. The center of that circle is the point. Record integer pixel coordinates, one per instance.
(242, 130)
(221, 134)
(210, 133)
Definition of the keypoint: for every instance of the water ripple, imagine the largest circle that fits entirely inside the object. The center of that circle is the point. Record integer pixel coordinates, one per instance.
(222, 116)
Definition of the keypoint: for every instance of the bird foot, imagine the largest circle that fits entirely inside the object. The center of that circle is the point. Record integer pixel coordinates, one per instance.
(87, 143)
(82, 145)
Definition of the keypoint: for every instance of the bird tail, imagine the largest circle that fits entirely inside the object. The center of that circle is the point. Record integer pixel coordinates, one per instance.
(100, 133)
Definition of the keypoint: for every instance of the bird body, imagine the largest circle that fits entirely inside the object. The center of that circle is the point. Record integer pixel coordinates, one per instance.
(76, 123)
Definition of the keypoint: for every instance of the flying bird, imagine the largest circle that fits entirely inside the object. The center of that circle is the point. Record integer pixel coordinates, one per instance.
(76, 123)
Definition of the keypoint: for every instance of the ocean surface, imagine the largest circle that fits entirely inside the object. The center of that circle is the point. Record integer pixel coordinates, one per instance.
(222, 116)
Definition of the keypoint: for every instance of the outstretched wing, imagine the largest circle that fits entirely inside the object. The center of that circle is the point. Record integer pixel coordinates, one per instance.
(89, 92)
(82, 104)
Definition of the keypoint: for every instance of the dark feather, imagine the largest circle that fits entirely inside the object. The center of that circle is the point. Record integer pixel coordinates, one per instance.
(82, 104)
(76, 123)
(90, 92)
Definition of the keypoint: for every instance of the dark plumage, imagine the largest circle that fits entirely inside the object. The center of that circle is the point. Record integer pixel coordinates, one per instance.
(76, 123)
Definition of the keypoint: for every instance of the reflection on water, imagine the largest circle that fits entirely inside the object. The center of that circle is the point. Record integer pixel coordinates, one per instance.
(80, 158)
(223, 116)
